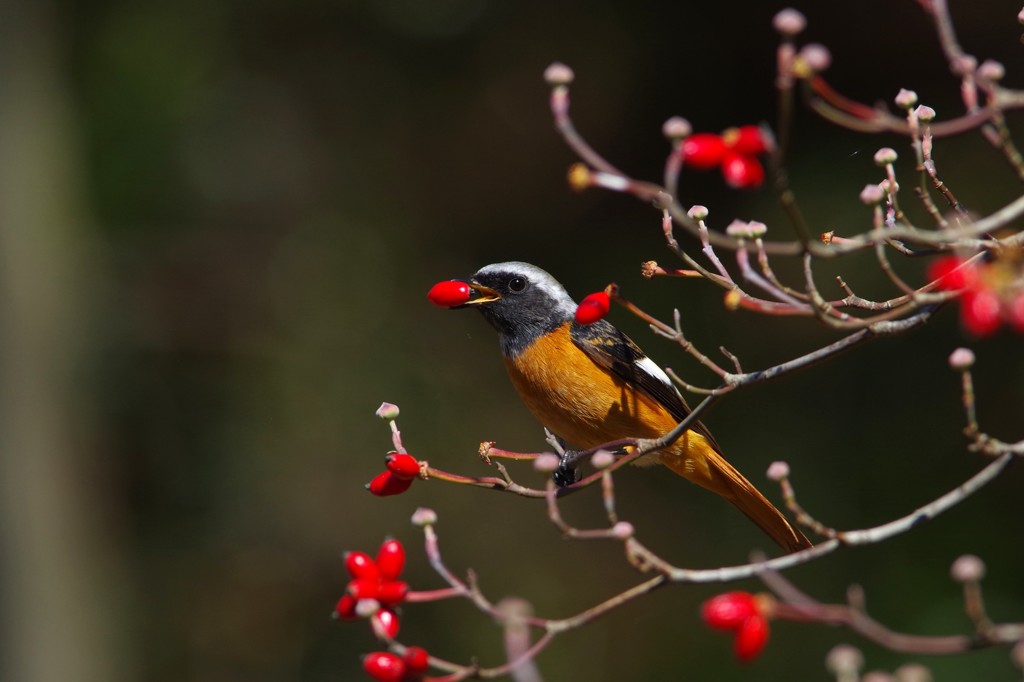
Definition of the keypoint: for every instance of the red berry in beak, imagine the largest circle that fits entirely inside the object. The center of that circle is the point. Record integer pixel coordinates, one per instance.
(449, 294)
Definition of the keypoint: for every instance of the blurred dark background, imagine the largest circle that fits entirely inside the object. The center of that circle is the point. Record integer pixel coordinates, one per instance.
(218, 221)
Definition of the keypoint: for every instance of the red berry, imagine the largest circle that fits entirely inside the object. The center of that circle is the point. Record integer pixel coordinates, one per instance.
(751, 638)
(979, 312)
(742, 172)
(745, 140)
(730, 610)
(386, 621)
(593, 307)
(360, 565)
(391, 559)
(703, 150)
(449, 294)
(951, 278)
(392, 592)
(346, 608)
(384, 666)
(364, 588)
(416, 659)
(403, 466)
(387, 483)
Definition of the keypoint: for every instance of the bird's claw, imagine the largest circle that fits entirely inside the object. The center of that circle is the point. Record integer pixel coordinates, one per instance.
(567, 472)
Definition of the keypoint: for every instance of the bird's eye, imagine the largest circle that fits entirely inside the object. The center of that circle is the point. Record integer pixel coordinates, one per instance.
(517, 284)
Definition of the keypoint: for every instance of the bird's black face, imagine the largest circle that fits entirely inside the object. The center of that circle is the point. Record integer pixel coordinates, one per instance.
(520, 301)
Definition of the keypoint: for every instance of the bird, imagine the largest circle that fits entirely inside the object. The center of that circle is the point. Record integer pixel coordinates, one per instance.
(590, 384)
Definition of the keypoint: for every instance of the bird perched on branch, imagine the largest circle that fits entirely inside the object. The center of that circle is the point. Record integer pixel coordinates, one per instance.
(590, 385)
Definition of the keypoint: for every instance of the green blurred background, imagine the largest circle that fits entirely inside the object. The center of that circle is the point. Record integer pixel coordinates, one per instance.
(218, 221)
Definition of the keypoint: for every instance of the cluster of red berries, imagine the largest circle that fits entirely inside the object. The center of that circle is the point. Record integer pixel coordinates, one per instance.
(993, 292)
(742, 613)
(385, 666)
(399, 473)
(374, 589)
(735, 151)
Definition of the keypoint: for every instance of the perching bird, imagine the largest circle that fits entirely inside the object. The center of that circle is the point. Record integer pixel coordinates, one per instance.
(590, 385)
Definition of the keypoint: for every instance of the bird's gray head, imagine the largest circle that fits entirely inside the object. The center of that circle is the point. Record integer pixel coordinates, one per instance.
(521, 301)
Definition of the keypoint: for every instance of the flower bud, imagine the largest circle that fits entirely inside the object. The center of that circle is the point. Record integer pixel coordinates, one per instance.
(623, 530)
(885, 156)
(558, 74)
(906, 99)
(967, 569)
(778, 470)
(872, 194)
(698, 212)
(991, 70)
(387, 410)
(844, 659)
(676, 128)
(424, 516)
(816, 57)
(961, 359)
(924, 113)
(547, 462)
(789, 22)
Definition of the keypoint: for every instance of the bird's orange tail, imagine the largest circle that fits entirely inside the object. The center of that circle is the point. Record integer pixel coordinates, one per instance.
(705, 466)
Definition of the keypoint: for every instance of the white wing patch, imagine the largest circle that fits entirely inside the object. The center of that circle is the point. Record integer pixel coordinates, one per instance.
(648, 366)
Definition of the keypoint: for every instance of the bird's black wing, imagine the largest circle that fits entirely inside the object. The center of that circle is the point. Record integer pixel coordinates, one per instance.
(611, 349)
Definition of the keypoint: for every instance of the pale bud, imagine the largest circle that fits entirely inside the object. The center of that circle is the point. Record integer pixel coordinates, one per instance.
(387, 411)
(789, 22)
(778, 470)
(961, 359)
(424, 516)
(558, 74)
(844, 659)
(885, 156)
(547, 462)
(967, 569)
(698, 212)
(906, 98)
(676, 128)
(924, 113)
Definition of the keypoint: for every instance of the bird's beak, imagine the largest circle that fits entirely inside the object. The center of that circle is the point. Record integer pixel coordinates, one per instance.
(479, 294)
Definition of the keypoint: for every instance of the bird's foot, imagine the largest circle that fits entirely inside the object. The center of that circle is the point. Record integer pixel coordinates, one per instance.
(567, 472)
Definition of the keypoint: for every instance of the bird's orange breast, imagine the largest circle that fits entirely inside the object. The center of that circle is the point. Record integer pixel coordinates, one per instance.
(580, 401)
